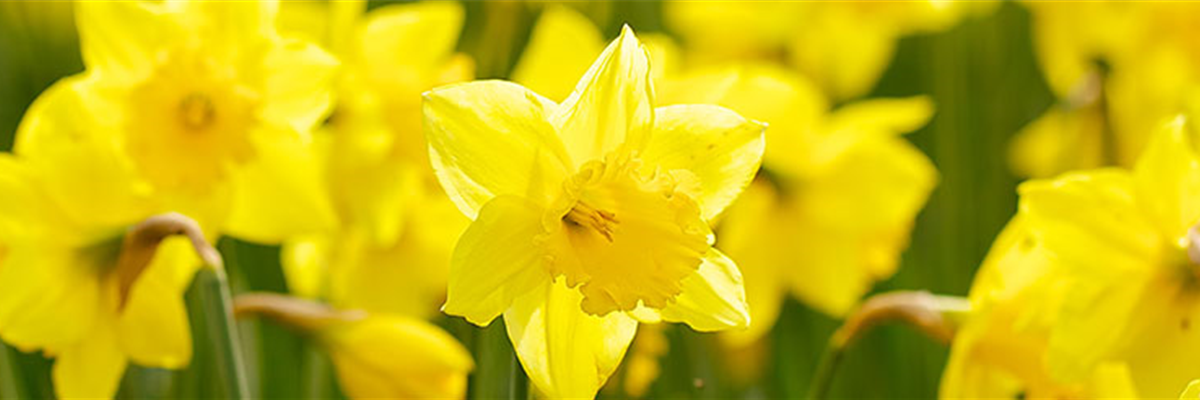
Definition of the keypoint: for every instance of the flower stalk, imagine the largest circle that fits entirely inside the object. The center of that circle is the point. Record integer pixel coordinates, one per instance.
(936, 316)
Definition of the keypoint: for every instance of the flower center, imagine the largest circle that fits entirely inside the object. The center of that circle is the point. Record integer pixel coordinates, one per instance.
(197, 112)
(603, 222)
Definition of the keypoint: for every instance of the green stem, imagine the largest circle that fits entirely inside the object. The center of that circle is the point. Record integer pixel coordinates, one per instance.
(222, 331)
(826, 371)
(10, 381)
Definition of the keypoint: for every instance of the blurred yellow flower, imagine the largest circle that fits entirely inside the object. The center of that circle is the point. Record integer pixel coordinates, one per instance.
(210, 106)
(843, 47)
(395, 357)
(1118, 69)
(831, 210)
(1120, 245)
(63, 216)
(589, 213)
(999, 351)
(376, 355)
(391, 250)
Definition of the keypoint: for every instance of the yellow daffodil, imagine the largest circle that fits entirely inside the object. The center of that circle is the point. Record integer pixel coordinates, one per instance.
(1118, 69)
(376, 355)
(831, 210)
(211, 108)
(1119, 243)
(63, 216)
(589, 215)
(391, 251)
(999, 351)
(842, 46)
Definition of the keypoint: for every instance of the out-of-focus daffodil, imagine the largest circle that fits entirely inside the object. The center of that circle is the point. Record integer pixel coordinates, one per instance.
(842, 46)
(642, 367)
(209, 105)
(831, 210)
(999, 351)
(1125, 265)
(391, 251)
(1118, 69)
(375, 355)
(589, 215)
(63, 217)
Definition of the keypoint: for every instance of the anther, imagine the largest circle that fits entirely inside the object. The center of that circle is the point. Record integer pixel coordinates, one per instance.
(603, 222)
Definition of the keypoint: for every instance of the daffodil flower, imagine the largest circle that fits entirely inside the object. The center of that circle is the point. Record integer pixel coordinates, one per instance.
(832, 208)
(1118, 71)
(1123, 245)
(999, 351)
(376, 355)
(63, 217)
(209, 106)
(390, 251)
(589, 215)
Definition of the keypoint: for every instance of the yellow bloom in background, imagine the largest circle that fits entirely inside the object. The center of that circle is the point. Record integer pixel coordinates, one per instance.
(1120, 244)
(1118, 69)
(210, 107)
(391, 250)
(999, 352)
(375, 355)
(395, 357)
(62, 219)
(832, 208)
(843, 47)
(589, 215)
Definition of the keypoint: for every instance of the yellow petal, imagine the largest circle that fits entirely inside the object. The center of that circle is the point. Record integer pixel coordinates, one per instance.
(304, 265)
(871, 184)
(24, 214)
(842, 53)
(1091, 222)
(492, 138)
(270, 191)
(1058, 141)
(713, 298)
(408, 277)
(299, 78)
(565, 352)
(407, 43)
(885, 116)
(231, 31)
(498, 258)
(74, 158)
(611, 106)
(153, 327)
(391, 357)
(49, 297)
(1167, 178)
(720, 147)
(560, 50)
(791, 107)
(91, 369)
(1094, 319)
(1192, 391)
(121, 39)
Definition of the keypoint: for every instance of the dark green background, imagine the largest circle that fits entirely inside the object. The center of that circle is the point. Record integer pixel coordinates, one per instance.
(981, 74)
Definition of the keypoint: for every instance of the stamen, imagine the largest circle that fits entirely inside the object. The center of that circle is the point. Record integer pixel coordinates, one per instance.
(196, 111)
(603, 222)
